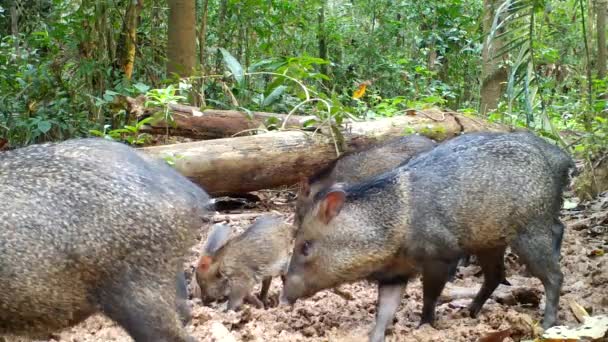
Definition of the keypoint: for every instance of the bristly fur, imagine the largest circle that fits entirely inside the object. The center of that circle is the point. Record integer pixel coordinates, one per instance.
(90, 225)
(478, 193)
(258, 254)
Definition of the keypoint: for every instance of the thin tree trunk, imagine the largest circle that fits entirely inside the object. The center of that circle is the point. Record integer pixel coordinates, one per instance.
(493, 76)
(181, 47)
(321, 37)
(15, 26)
(601, 38)
(221, 32)
(128, 37)
(202, 34)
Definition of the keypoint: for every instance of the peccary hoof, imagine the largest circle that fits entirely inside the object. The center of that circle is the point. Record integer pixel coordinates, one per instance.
(421, 324)
(474, 310)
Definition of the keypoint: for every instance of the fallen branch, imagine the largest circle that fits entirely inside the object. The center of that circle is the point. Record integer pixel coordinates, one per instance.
(274, 159)
(213, 123)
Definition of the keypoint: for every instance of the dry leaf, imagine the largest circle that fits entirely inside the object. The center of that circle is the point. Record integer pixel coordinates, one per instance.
(497, 336)
(595, 327)
(579, 312)
(220, 333)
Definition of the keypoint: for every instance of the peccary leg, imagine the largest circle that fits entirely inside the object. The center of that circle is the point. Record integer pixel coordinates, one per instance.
(466, 260)
(181, 300)
(453, 268)
(434, 277)
(145, 308)
(240, 290)
(389, 298)
(539, 247)
(264, 290)
(255, 301)
(493, 267)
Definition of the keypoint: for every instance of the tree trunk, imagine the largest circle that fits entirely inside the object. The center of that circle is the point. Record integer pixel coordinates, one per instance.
(493, 76)
(128, 37)
(601, 38)
(243, 164)
(181, 46)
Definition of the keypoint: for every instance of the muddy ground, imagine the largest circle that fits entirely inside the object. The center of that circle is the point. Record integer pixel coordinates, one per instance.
(329, 317)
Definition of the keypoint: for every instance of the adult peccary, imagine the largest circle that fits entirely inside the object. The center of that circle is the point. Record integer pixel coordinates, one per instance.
(89, 226)
(559, 161)
(360, 165)
(476, 197)
(231, 267)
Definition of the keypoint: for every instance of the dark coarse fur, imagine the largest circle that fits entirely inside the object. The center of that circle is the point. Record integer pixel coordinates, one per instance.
(234, 266)
(559, 161)
(359, 165)
(474, 194)
(88, 226)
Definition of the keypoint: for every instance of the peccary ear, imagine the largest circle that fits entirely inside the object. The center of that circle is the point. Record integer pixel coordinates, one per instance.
(304, 187)
(218, 236)
(331, 205)
(204, 263)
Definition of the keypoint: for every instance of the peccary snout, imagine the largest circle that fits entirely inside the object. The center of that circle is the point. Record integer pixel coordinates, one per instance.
(294, 288)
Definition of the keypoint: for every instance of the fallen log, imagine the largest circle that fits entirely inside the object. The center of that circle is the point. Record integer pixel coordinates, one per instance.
(279, 158)
(213, 123)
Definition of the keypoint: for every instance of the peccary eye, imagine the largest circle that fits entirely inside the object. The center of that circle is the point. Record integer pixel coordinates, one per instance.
(305, 248)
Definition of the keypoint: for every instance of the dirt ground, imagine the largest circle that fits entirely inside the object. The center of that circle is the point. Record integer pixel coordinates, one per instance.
(329, 317)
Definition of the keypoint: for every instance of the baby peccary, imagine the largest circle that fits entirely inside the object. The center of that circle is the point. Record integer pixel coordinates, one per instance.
(478, 199)
(360, 165)
(232, 267)
(89, 226)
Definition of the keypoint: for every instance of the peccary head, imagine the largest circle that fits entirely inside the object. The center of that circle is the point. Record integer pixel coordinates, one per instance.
(213, 284)
(334, 246)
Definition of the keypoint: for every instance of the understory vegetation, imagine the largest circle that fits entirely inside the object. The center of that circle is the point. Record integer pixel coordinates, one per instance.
(67, 67)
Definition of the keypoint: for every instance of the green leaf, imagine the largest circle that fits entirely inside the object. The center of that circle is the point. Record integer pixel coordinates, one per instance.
(44, 126)
(272, 121)
(142, 88)
(310, 122)
(234, 66)
(96, 132)
(274, 95)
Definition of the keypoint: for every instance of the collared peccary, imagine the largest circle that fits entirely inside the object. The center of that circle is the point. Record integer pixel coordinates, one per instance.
(90, 226)
(357, 166)
(232, 267)
(559, 161)
(474, 196)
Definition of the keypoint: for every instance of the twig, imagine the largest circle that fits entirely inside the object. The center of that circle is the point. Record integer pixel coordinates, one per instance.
(238, 217)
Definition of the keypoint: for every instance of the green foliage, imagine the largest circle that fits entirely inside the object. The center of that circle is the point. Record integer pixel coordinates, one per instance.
(59, 76)
(128, 134)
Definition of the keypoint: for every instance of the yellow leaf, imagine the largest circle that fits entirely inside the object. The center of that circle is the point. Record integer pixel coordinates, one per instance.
(361, 89)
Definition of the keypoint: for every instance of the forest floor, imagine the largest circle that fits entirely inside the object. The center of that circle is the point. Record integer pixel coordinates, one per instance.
(329, 317)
